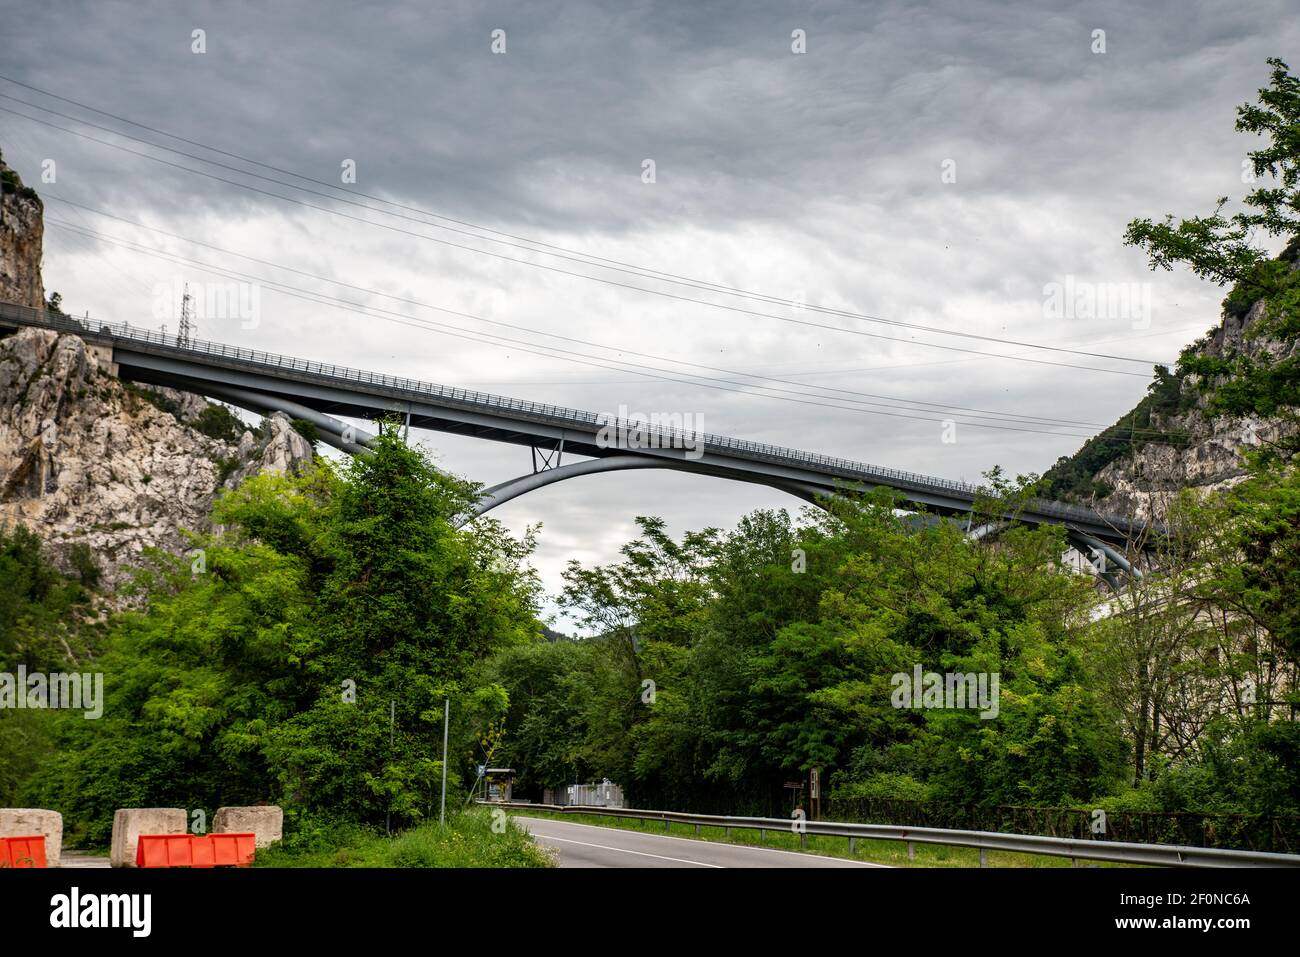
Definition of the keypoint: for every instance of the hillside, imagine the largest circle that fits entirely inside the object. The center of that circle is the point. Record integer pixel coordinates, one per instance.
(22, 229)
(1168, 441)
(89, 460)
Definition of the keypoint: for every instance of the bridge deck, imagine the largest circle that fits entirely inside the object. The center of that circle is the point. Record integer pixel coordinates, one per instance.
(151, 357)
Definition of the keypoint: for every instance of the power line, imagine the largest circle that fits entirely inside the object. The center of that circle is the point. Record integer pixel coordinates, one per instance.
(532, 331)
(544, 266)
(562, 251)
(495, 340)
(533, 349)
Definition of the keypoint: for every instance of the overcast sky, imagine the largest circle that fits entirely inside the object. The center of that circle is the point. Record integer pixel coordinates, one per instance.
(940, 164)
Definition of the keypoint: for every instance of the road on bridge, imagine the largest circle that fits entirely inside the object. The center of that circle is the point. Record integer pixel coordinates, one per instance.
(586, 845)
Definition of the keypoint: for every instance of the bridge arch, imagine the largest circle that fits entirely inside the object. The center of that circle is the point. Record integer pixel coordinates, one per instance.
(505, 491)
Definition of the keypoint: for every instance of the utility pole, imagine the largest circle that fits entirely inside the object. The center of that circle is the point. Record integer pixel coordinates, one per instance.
(446, 719)
(186, 332)
(392, 731)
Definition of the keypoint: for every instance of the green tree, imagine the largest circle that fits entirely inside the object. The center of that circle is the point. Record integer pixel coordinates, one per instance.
(308, 661)
(1222, 248)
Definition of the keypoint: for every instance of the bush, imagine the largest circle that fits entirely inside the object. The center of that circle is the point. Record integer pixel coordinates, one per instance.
(1142, 798)
(307, 430)
(83, 562)
(218, 422)
(466, 840)
(226, 468)
(896, 787)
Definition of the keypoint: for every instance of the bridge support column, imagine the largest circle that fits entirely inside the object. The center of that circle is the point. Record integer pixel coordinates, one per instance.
(1086, 543)
(104, 356)
(334, 433)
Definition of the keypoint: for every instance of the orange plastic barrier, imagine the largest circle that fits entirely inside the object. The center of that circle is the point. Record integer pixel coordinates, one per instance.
(22, 851)
(163, 850)
(235, 850)
(195, 850)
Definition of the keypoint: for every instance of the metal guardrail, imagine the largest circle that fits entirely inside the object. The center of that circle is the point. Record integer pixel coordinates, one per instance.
(558, 415)
(1116, 852)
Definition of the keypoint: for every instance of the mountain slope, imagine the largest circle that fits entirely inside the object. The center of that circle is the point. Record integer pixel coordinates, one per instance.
(86, 458)
(22, 228)
(1169, 441)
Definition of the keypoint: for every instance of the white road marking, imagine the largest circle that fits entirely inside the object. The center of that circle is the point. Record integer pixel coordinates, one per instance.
(698, 840)
(624, 850)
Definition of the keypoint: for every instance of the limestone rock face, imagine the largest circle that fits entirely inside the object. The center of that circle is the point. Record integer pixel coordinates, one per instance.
(279, 451)
(22, 230)
(86, 459)
(1146, 481)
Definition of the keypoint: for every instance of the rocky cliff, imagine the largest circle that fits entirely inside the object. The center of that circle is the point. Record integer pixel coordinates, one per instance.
(21, 231)
(86, 458)
(1169, 442)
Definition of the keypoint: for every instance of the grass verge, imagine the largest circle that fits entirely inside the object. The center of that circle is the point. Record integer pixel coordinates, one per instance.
(467, 840)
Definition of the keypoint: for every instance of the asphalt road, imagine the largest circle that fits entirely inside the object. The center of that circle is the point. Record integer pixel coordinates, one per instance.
(585, 845)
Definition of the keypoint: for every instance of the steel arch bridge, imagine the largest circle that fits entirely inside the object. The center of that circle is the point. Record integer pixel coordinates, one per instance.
(318, 392)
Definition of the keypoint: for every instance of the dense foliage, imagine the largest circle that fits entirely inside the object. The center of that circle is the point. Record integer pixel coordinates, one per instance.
(729, 664)
(46, 624)
(771, 650)
(302, 655)
(1224, 250)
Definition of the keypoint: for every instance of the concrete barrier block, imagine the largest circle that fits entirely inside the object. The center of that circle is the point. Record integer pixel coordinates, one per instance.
(265, 821)
(27, 821)
(129, 823)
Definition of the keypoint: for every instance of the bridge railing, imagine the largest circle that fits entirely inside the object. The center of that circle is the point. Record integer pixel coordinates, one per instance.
(559, 415)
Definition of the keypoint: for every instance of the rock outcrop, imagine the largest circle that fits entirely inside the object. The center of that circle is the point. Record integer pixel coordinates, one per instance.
(1209, 452)
(22, 229)
(85, 458)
